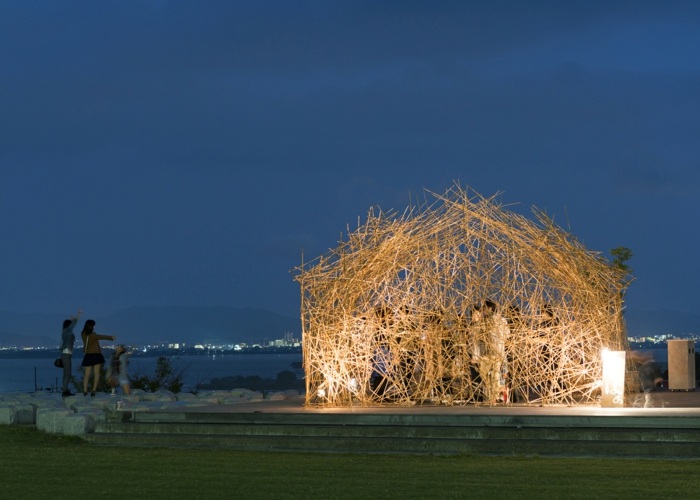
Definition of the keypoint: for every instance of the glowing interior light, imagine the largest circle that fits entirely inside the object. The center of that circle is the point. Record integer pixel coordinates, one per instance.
(613, 379)
(321, 393)
(353, 385)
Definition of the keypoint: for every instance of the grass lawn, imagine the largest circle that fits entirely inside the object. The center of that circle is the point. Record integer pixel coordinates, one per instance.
(37, 465)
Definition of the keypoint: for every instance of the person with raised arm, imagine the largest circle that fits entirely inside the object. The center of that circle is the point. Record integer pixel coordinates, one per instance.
(93, 358)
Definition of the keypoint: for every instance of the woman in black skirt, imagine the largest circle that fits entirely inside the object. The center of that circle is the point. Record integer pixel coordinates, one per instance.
(93, 358)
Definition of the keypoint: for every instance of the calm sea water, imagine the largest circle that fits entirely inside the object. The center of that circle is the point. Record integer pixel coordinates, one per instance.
(24, 375)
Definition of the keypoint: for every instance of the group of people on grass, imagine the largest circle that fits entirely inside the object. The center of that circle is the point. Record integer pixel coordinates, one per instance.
(93, 359)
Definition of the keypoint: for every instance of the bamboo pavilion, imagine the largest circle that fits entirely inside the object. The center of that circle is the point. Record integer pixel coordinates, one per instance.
(458, 301)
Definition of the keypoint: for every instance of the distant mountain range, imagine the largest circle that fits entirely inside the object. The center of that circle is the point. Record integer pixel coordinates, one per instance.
(139, 326)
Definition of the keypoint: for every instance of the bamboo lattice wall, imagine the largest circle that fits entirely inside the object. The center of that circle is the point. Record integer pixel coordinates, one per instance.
(458, 301)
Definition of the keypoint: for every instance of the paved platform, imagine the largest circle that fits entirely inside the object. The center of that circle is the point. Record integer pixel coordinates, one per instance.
(669, 430)
(665, 402)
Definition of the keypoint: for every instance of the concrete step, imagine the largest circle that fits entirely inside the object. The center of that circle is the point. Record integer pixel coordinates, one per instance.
(641, 420)
(435, 434)
(403, 431)
(357, 444)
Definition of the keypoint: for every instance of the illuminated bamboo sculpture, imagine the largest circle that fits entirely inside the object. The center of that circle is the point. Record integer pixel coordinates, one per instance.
(458, 301)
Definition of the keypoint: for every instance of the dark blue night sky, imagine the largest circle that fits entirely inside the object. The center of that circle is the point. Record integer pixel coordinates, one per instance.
(187, 153)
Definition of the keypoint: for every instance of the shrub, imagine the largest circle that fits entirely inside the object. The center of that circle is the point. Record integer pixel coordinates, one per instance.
(165, 378)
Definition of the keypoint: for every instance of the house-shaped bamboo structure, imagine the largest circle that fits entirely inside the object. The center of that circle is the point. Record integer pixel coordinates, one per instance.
(458, 301)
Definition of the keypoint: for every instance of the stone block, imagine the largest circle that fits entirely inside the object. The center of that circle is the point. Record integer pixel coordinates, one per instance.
(78, 424)
(81, 405)
(275, 396)
(51, 419)
(256, 396)
(242, 393)
(99, 416)
(26, 413)
(186, 396)
(8, 414)
(211, 400)
(46, 403)
(159, 396)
